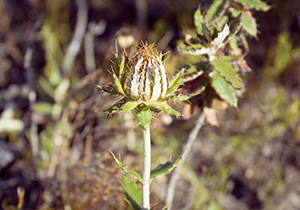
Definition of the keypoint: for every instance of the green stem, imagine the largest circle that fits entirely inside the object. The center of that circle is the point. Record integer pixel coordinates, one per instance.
(147, 169)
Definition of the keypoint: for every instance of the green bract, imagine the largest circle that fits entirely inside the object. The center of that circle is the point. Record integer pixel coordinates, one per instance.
(143, 84)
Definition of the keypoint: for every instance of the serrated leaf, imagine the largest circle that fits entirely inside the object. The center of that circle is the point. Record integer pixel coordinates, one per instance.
(162, 106)
(117, 64)
(233, 43)
(198, 21)
(127, 170)
(235, 24)
(214, 9)
(222, 21)
(162, 169)
(181, 98)
(175, 82)
(133, 193)
(118, 84)
(249, 24)
(256, 4)
(143, 117)
(43, 107)
(227, 71)
(129, 105)
(224, 90)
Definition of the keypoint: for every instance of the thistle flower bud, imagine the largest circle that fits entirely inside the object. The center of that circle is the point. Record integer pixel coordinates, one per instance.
(144, 77)
(144, 85)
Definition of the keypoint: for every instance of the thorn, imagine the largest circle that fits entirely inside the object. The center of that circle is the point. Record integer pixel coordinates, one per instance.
(112, 154)
(170, 158)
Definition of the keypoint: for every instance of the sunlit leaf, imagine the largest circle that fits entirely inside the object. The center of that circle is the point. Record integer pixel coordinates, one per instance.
(227, 71)
(223, 20)
(249, 24)
(214, 9)
(162, 169)
(233, 43)
(127, 170)
(162, 106)
(129, 105)
(256, 4)
(198, 21)
(224, 90)
(175, 82)
(118, 84)
(181, 98)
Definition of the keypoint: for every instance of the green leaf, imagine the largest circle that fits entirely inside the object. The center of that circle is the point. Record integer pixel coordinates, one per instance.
(235, 24)
(162, 106)
(129, 105)
(46, 86)
(43, 107)
(214, 9)
(249, 24)
(117, 64)
(122, 65)
(133, 193)
(181, 98)
(233, 43)
(143, 117)
(222, 21)
(244, 41)
(118, 84)
(162, 169)
(227, 71)
(175, 82)
(198, 21)
(256, 4)
(127, 170)
(224, 90)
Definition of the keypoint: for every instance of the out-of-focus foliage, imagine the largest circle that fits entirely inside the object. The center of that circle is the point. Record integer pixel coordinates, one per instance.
(251, 161)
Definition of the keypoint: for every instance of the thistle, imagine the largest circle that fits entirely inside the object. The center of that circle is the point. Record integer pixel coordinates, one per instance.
(143, 84)
(144, 87)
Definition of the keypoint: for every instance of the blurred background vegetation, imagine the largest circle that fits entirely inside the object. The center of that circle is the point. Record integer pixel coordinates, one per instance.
(54, 147)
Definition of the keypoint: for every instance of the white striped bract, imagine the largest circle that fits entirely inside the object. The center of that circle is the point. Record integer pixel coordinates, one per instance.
(144, 77)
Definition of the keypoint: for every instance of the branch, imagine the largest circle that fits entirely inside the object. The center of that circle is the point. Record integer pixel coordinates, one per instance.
(186, 149)
(80, 28)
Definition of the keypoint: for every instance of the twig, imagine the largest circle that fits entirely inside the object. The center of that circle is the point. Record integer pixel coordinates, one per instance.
(147, 168)
(32, 93)
(80, 28)
(89, 52)
(186, 149)
(95, 29)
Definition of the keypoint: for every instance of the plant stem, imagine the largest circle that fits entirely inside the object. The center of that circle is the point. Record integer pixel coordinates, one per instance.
(147, 167)
(186, 150)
